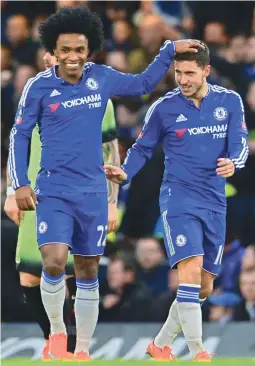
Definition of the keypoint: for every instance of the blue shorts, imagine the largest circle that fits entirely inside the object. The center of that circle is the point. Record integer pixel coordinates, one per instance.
(79, 221)
(192, 232)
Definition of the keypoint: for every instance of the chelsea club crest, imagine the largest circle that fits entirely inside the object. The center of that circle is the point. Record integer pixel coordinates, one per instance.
(92, 84)
(220, 113)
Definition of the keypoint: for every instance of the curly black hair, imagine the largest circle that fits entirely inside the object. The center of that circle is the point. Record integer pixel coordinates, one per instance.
(78, 20)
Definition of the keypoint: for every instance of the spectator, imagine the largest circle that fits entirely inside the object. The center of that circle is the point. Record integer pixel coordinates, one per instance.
(18, 35)
(215, 35)
(23, 73)
(250, 57)
(124, 298)
(153, 266)
(151, 39)
(248, 261)
(221, 309)
(117, 60)
(233, 253)
(245, 311)
(35, 27)
(121, 37)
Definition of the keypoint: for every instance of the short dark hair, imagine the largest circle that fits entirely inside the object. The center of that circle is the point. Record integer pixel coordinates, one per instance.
(128, 261)
(78, 20)
(202, 57)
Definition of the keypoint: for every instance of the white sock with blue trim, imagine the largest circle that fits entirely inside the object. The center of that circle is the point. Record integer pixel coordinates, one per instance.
(190, 315)
(86, 312)
(170, 329)
(53, 292)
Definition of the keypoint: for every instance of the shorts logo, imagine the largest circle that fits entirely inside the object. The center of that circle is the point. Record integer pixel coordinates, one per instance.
(181, 240)
(92, 84)
(43, 227)
(220, 113)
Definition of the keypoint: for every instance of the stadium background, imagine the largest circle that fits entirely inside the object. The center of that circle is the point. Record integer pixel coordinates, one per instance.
(139, 285)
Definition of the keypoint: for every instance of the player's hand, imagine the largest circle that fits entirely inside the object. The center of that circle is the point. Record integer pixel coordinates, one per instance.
(110, 300)
(188, 45)
(115, 174)
(112, 217)
(226, 168)
(26, 198)
(11, 209)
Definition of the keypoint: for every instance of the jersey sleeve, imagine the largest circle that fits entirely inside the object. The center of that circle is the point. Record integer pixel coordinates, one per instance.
(109, 127)
(25, 120)
(129, 84)
(237, 134)
(145, 144)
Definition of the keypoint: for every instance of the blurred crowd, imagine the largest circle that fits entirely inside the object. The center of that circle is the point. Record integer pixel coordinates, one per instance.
(136, 283)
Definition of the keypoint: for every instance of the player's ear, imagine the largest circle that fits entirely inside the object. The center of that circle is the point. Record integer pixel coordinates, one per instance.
(207, 70)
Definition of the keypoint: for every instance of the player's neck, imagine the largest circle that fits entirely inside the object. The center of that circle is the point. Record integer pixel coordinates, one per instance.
(71, 79)
(201, 93)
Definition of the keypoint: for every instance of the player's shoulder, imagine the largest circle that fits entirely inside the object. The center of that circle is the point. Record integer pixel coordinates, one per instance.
(33, 87)
(221, 92)
(36, 82)
(88, 66)
(163, 102)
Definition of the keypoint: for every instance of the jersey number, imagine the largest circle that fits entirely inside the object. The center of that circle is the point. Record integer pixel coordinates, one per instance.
(102, 240)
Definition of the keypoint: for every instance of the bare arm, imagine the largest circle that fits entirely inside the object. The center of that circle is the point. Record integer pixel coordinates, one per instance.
(111, 157)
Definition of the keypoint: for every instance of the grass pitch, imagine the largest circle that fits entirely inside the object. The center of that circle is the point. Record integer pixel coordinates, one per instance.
(216, 361)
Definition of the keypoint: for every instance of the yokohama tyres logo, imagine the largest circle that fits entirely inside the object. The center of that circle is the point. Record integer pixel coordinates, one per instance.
(218, 131)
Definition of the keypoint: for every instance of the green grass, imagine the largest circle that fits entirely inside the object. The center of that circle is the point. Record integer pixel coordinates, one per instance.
(217, 362)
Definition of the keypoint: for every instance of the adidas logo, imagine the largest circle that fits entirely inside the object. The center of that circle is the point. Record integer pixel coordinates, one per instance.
(181, 118)
(54, 93)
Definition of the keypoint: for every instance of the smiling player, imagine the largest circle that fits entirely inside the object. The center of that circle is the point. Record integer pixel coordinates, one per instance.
(68, 103)
(203, 133)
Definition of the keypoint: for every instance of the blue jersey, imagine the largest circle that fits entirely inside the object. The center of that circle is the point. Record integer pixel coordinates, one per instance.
(193, 139)
(69, 119)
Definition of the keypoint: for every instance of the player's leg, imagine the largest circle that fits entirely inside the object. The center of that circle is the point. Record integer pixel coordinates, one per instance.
(28, 260)
(31, 288)
(88, 246)
(183, 239)
(54, 234)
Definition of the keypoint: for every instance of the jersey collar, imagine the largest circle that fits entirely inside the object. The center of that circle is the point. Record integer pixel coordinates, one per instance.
(62, 81)
(190, 101)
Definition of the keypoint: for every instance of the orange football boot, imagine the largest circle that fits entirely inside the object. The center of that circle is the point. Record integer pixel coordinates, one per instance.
(58, 347)
(203, 356)
(82, 356)
(160, 354)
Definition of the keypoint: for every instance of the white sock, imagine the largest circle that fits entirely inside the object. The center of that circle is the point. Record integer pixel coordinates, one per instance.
(86, 312)
(53, 291)
(190, 315)
(172, 326)
(170, 329)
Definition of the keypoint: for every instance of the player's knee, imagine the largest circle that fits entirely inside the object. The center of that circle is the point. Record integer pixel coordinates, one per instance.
(54, 267)
(86, 268)
(189, 270)
(206, 290)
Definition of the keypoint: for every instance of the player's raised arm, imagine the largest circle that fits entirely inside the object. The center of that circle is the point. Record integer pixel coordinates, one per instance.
(144, 83)
(141, 150)
(25, 120)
